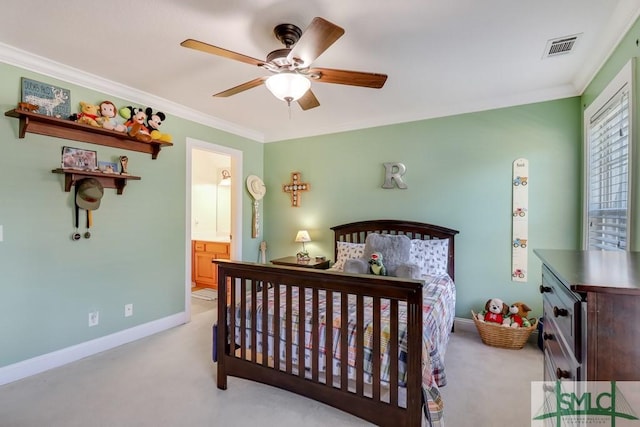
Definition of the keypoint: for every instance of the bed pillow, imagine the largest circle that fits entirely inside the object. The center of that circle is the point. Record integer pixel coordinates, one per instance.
(431, 255)
(347, 250)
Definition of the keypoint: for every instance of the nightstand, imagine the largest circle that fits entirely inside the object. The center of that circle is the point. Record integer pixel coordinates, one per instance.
(292, 261)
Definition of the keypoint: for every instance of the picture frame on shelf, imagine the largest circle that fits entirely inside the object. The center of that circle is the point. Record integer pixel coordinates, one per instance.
(51, 100)
(79, 159)
(108, 167)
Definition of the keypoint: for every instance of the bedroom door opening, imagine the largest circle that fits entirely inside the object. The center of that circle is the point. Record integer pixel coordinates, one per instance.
(213, 212)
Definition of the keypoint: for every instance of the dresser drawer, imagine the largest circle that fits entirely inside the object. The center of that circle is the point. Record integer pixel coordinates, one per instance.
(559, 359)
(217, 247)
(563, 307)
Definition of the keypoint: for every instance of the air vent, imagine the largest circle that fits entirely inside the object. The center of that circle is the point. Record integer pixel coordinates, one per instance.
(560, 46)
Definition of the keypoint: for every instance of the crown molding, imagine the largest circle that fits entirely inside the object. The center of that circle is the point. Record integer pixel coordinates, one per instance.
(39, 64)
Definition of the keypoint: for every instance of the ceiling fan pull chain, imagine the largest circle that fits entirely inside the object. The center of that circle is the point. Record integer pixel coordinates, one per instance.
(288, 106)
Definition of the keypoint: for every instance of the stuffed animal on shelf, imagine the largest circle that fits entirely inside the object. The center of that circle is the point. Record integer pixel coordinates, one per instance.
(88, 114)
(518, 313)
(376, 266)
(154, 120)
(135, 123)
(108, 117)
(495, 311)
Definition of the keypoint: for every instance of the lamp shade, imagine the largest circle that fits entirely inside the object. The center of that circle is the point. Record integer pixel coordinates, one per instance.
(303, 236)
(288, 86)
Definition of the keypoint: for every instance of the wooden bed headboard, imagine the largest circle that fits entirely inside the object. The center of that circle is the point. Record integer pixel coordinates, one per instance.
(356, 232)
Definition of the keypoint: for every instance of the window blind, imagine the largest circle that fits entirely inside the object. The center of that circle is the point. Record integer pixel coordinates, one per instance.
(608, 174)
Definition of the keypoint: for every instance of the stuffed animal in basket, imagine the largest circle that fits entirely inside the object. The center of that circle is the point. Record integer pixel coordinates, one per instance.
(518, 312)
(495, 311)
(376, 266)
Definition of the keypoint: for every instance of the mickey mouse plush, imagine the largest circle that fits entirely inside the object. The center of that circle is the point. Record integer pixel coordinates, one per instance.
(135, 123)
(154, 120)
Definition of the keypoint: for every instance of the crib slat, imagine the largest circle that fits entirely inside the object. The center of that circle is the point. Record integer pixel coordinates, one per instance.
(360, 345)
(289, 326)
(393, 354)
(276, 326)
(265, 323)
(302, 325)
(314, 335)
(243, 319)
(328, 334)
(254, 321)
(376, 349)
(231, 310)
(344, 343)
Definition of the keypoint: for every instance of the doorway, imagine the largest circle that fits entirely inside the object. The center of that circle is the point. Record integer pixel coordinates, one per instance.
(213, 204)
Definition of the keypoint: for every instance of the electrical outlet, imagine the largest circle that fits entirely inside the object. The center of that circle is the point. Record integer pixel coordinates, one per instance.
(94, 318)
(128, 310)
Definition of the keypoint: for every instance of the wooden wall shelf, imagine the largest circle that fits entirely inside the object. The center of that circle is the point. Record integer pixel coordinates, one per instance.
(67, 129)
(108, 180)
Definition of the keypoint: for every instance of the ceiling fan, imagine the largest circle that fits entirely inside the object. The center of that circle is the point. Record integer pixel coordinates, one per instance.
(291, 67)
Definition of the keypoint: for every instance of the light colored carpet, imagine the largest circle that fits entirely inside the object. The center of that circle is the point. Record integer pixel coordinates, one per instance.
(205, 294)
(169, 380)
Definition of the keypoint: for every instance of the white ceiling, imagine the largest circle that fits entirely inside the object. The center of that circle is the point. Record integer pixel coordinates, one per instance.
(442, 57)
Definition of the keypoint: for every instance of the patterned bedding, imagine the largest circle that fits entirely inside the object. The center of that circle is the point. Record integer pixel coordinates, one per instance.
(438, 313)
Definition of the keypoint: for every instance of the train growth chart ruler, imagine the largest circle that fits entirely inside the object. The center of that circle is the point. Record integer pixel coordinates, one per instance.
(520, 229)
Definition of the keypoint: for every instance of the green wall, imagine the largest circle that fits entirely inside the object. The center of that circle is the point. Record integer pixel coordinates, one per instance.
(459, 172)
(48, 283)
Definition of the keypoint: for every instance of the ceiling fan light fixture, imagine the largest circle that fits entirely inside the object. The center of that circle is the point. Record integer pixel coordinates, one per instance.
(288, 86)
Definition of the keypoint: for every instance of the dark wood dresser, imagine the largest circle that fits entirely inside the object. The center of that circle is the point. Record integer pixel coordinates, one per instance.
(591, 303)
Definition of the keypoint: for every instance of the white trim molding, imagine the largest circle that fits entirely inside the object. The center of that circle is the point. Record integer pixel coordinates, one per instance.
(39, 64)
(55, 359)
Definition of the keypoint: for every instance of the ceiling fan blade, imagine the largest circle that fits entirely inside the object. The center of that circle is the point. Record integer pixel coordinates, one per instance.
(308, 101)
(241, 88)
(317, 38)
(215, 50)
(345, 77)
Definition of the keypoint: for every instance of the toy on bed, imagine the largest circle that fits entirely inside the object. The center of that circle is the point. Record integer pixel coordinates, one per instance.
(393, 249)
(518, 313)
(376, 266)
(495, 311)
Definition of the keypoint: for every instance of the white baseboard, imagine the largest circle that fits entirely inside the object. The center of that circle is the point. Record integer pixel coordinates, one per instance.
(36, 365)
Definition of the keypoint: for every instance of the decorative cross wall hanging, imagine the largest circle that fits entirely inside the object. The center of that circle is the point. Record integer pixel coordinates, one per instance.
(295, 187)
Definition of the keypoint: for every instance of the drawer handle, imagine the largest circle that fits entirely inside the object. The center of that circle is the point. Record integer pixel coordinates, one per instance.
(557, 312)
(562, 374)
(547, 336)
(544, 289)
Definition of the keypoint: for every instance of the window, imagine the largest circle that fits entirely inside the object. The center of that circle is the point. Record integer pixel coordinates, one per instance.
(607, 160)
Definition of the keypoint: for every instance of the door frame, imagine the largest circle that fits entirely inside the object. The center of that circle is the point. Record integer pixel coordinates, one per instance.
(236, 206)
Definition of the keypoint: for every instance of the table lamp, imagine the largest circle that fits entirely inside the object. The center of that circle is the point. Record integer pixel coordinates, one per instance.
(303, 236)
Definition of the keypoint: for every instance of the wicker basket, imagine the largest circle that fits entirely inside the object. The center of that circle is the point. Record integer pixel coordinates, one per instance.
(498, 336)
